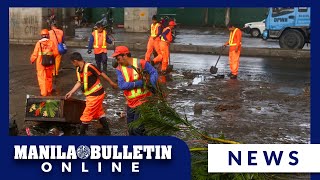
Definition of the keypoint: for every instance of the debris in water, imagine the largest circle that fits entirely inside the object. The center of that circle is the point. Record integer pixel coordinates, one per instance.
(55, 132)
(121, 114)
(197, 108)
(306, 91)
(188, 75)
(224, 107)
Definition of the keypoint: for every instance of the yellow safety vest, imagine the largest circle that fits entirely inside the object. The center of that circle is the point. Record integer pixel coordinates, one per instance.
(85, 81)
(231, 38)
(168, 36)
(154, 29)
(137, 91)
(96, 37)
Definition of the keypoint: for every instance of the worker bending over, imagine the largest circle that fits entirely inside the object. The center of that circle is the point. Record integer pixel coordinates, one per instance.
(89, 82)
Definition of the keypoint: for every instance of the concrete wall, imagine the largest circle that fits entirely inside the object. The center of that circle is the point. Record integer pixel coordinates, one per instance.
(138, 19)
(25, 23)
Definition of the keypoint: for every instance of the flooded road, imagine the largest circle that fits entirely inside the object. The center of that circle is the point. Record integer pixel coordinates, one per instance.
(268, 103)
(204, 36)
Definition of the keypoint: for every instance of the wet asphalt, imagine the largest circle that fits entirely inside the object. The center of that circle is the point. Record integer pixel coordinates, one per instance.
(268, 103)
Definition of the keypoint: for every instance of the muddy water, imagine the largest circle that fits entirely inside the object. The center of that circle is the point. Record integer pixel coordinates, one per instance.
(272, 96)
(269, 103)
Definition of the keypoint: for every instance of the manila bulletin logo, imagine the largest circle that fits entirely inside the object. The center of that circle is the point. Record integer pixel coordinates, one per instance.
(83, 152)
(96, 153)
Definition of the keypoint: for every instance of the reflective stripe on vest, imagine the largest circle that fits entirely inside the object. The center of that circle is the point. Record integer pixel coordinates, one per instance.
(94, 88)
(46, 53)
(96, 39)
(137, 91)
(231, 38)
(154, 30)
(168, 35)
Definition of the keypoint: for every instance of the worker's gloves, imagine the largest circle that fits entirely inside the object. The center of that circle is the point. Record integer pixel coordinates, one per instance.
(89, 51)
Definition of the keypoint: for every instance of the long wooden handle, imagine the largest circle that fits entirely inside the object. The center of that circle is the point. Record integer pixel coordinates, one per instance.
(222, 48)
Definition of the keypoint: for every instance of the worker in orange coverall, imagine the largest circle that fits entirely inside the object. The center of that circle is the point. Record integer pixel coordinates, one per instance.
(57, 36)
(154, 39)
(166, 38)
(44, 48)
(234, 50)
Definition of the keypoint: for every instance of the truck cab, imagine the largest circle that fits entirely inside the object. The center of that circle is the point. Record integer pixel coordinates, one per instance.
(290, 25)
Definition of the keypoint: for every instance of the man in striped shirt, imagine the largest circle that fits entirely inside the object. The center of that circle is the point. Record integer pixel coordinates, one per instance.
(89, 82)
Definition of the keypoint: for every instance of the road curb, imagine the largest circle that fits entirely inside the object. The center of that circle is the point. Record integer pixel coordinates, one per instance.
(198, 49)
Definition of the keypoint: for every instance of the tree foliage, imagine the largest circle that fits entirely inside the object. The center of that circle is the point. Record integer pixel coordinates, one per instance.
(160, 119)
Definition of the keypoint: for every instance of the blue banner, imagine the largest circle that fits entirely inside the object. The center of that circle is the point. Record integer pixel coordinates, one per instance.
(97, 157)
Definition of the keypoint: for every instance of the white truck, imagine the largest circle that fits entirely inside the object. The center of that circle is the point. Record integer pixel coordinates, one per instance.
(255, 28)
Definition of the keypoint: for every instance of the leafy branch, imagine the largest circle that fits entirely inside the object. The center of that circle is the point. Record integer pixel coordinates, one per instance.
(160, 119)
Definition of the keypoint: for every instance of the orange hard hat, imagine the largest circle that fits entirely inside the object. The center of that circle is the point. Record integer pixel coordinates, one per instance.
(172, 23)
(44, 32)
(120, 50)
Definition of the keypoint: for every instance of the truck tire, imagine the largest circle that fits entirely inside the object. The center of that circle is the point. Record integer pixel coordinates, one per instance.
(292, 39)
(255, 33)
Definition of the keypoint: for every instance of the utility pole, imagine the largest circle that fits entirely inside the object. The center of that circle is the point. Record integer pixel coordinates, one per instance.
(64, 15)
(66, 23)
(227, 17)
(206, 14)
